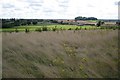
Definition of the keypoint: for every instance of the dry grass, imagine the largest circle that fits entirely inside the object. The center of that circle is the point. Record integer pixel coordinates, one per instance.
(85, 53)
(0, 55)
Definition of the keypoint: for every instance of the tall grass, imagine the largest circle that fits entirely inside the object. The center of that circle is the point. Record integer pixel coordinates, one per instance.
(83, 54)
(0, 55)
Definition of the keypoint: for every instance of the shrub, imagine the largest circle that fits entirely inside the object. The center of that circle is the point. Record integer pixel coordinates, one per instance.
(119, 27)
(80, 28)
(39, 30)
(101, 27)
(69, 29)
(44, 29)
(76, 28)
(114, 28)
(26, 30)
(34, 23)
(16, 30)
(98, 24)
(54, 29)
(118, 23)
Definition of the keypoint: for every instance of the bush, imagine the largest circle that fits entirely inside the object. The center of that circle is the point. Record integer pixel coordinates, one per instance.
(54, 29)
(34, 23)
(118, 23)
(16, 30)
(7, 25)
(76, 28)
(118, 27)
(69, 29)
(26, 30)
(39, 30)
(101, 27)
(44, 29)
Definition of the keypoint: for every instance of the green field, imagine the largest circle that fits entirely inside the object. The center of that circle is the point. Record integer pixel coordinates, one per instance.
(49, 27)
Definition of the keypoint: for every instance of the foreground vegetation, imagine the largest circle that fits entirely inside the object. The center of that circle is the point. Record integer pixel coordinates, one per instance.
(64, 54)
(53, 28)
(48, 28)
(59, 49)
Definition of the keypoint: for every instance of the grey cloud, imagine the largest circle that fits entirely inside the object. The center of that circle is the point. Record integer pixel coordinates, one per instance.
(7, 5)
(89, 5)
(35, 8)
(63, 1)
(62, 5)
(35, 4)
(48, 10)
(64, 8)
(18, 9)
(34, 1)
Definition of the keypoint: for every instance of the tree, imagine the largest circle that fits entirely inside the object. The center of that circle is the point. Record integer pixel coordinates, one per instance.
(54, 21)
(28, 22)
(118, 23)
(78, 18)
(98, 24)
(40, 20)
(44, 28)
(102, 22)
(7, 25)
(34, 22)
(12, 19)
(85, 18)
(24, 23)
(17, 23)
(61, 22)
(91, 18)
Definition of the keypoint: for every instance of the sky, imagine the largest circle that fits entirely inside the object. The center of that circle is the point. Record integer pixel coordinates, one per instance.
(58, 9)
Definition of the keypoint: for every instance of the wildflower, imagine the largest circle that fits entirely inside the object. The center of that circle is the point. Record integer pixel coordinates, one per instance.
(63, 70)
(62, 61)
(84, 59)
(81, 67)
(54, 60)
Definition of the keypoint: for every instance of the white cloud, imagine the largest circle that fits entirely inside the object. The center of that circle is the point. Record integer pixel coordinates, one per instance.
(102, 9)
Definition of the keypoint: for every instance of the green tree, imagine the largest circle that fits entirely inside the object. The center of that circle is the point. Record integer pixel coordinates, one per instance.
(34, 22)
(118, 23)
(98, 24)
(28, 22)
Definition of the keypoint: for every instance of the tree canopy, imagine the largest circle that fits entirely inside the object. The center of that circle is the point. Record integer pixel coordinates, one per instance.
(85, 18)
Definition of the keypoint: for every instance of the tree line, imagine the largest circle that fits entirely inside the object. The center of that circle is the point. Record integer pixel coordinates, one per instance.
(85, 18)
(8, 23)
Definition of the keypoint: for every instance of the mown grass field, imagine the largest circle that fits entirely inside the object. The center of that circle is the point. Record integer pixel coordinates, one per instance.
(64, 54)
(49, 27)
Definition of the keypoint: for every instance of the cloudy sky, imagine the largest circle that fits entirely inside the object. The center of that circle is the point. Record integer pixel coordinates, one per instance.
(59, 9)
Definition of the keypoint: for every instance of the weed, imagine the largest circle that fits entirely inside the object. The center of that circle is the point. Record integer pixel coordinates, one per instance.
(39, 30)
(16, 30)
(27, 30)
(44, 28)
